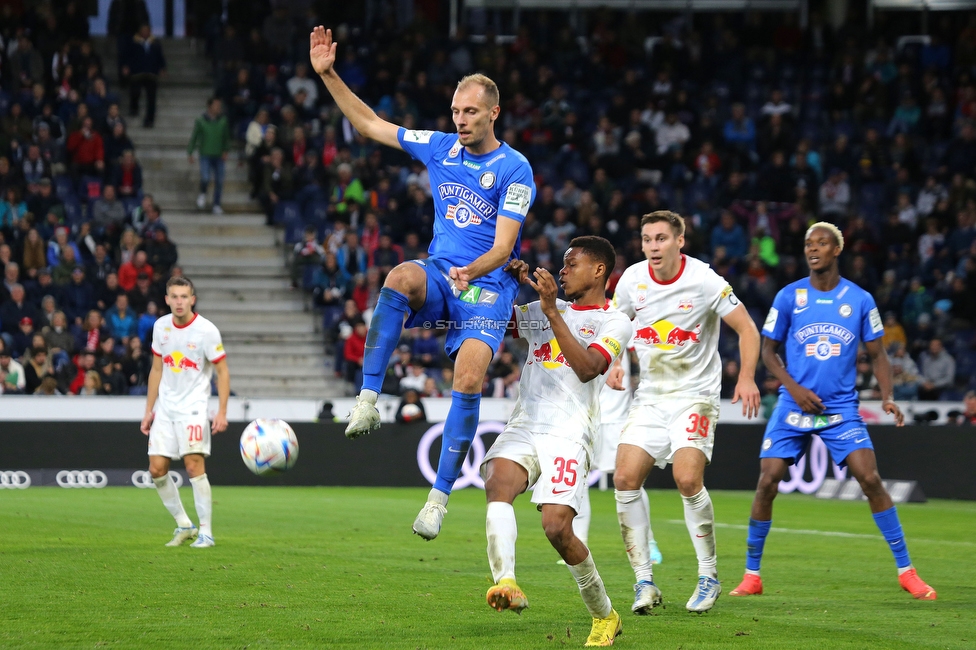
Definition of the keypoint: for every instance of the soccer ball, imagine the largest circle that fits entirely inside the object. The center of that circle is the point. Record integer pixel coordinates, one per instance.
(269, 447)
(410, 412)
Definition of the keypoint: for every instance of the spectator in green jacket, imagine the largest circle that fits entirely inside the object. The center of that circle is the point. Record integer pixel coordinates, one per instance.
(211, 136)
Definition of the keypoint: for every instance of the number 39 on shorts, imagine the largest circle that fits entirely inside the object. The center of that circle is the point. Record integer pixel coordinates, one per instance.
(698, 426)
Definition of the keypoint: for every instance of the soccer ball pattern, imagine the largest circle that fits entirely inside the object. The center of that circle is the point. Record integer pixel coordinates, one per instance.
(269, 447)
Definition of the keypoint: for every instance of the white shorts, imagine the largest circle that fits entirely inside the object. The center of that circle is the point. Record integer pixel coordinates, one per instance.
(177, 438)
(605, 446)
(664, 428)
(558, 467)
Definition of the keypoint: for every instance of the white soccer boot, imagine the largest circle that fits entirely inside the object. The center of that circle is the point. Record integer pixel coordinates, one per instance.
(363, 419)
(705, 595)
(203, 541)
(180, 535)
(428, 522)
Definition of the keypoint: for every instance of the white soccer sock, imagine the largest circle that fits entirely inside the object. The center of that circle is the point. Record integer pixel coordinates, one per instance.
(700, 520)
(591, 587)
(203, 501)
(167, 491)
(634, 527)
(581, 522)
(369, 395)
(502, 531)
(647, 506)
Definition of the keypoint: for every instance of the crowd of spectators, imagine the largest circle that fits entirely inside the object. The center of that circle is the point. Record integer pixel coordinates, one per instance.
(84, 253)
(749, 126)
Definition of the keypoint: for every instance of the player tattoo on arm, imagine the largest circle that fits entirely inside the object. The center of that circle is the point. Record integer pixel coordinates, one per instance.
(882, 372)
(806, 399)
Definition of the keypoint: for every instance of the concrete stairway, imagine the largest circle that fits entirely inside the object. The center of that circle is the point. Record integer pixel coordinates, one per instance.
(236, 262)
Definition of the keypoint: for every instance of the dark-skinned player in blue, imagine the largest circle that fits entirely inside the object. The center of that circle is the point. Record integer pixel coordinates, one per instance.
(820, 321)
(482, 190)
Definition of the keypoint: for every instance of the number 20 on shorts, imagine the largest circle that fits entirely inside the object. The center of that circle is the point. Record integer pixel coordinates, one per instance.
(194, 433)
(565, 471)
(698, 426)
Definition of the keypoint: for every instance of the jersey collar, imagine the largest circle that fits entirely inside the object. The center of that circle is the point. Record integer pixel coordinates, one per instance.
(188, 323)
(575, 307)
(681, 270)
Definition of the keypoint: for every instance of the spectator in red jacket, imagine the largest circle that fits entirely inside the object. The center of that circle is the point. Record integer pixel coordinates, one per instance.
(84, 362)
(86, 151)
(129, 272)
(353, 353)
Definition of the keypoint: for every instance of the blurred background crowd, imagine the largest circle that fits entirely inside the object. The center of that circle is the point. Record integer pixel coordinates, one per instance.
(85, 253)
(748, 125)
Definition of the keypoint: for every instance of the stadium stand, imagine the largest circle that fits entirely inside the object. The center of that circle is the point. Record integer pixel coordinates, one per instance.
(751, 127)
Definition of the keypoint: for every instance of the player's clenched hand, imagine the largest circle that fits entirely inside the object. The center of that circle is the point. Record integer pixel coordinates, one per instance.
(545, 286)
(219, 423)
(518, 269)
(807, 400)
(460, 276)
(891, 408)
(748, 392)
(146, 423)
(321, 49)
(615, 378)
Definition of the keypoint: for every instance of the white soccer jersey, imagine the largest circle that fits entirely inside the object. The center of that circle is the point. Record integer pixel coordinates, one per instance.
(676, 328)
(188, 355)
(552, 399)
(614, 404)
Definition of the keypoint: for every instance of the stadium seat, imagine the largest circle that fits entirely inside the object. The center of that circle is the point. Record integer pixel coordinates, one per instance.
(287, 211)
(294, 229)
(131, 203)
(316, 212)
(64, 187)
(872, 199)
(73, 214)
(89, 188)
(965, 365)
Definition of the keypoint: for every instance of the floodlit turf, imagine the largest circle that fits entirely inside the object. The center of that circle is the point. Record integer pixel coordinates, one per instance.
(339, 567)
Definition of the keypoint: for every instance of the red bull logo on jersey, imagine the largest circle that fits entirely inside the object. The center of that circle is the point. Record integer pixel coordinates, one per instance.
(549, 355)
(177, 362)
(666, 335)
(685, 305)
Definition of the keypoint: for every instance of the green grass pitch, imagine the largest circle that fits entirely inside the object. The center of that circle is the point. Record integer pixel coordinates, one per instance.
(339, 567)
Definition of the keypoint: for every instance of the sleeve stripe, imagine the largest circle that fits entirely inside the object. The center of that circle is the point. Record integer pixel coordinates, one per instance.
(219, 359)
(156, 353)
(606, 355)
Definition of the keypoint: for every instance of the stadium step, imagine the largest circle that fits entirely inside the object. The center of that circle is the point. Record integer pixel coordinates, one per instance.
(277, 350)
(243, 287)
(283, 307)
(313, 387)
(244, 320)
(237, 252)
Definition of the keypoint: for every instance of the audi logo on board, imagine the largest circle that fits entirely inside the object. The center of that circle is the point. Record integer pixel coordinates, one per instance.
(74, 478)
(14, 480)
(143, 479)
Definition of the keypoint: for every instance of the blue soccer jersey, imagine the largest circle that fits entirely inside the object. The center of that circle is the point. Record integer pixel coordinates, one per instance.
(821, 332)
(470, 193)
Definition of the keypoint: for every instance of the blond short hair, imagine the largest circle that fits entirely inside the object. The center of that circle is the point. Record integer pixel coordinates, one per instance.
(491, 95)
(675, 220)
(831, 228)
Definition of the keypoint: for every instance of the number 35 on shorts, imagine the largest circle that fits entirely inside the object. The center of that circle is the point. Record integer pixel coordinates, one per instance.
(699, 426)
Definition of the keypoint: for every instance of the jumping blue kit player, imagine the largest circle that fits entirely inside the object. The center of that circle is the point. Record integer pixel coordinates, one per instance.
(821, 320)
(482, 191)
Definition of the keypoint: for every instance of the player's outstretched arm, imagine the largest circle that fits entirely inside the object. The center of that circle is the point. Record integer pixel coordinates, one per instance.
(322, 53)
(223, 394)
(587, 363)
(155, 375)
(806, 399)
(506, 232)
(749, 341)
(882, 372)
(518, 269)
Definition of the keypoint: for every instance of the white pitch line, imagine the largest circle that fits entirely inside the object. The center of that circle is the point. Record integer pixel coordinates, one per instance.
(830, 533)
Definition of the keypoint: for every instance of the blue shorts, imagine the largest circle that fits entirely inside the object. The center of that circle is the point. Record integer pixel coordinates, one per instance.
(481, 312)
(788, 433)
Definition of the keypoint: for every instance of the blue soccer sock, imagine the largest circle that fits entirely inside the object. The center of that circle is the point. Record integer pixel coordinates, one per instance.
(891, 529)
(384, 332)
(755, 543)
(459, 430)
